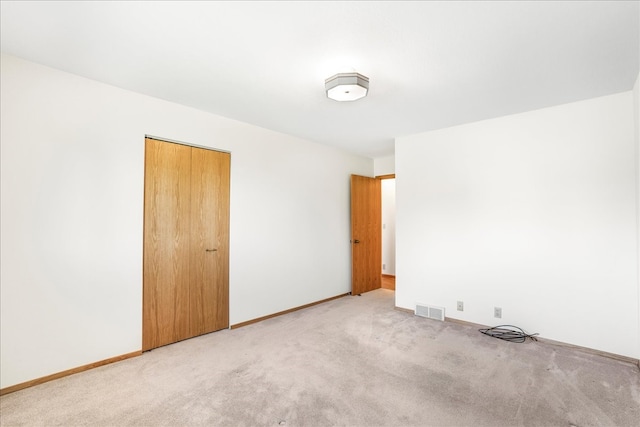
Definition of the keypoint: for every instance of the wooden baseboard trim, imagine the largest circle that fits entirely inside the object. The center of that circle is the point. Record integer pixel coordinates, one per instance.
(588, 350)
(560, 344)
(280, 313)
(464, 322)
(66, 373)
(389, 275)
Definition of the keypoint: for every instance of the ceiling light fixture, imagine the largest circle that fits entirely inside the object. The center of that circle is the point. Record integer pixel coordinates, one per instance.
(347, 86)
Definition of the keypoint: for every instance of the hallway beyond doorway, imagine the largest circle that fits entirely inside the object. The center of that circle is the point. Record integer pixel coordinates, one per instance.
(388, 282)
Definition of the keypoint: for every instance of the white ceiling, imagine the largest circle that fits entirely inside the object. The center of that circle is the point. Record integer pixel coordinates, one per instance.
(430, 64)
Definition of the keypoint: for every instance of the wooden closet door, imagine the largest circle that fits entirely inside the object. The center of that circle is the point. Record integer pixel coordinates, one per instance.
(167, 228)
(209, 287)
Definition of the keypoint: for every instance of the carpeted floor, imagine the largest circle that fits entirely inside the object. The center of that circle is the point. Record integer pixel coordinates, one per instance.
(354, 361)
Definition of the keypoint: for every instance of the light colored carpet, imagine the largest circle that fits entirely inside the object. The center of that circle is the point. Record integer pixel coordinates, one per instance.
(354, 361)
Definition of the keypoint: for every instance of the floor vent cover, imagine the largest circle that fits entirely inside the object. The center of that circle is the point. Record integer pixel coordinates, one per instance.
(430, 311)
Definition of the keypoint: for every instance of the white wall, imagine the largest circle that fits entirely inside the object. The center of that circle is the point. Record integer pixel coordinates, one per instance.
(384, 165)
(72, 158)
(534, 213)
(388, 189)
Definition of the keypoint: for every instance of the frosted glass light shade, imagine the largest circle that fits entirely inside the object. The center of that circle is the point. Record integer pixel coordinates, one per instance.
(346, 86)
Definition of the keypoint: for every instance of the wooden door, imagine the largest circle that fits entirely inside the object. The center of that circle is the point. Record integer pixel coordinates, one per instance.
(366, 213)
(186, 243)
(209, 291)
(167, 232)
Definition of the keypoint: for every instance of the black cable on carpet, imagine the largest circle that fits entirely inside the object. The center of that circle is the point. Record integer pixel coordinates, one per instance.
(515, 334)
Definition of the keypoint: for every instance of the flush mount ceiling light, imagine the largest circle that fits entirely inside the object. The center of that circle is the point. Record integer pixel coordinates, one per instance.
(347, 86)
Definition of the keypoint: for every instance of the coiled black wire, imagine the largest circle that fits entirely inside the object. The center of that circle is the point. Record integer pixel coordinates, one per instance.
(515, 334)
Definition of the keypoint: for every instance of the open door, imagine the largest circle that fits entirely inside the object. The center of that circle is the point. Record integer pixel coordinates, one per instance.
(366, 235)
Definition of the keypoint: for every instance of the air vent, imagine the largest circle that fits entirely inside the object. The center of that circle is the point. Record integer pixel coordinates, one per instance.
(430, 312)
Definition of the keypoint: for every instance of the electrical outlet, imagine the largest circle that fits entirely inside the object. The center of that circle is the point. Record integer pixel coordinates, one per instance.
(460, 306)
(497, 312)
(384, 266)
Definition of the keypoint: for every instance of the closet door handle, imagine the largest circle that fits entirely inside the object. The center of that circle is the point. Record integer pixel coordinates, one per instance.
(210, 250)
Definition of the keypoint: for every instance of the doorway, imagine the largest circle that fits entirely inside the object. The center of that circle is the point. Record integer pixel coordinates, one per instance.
(366, 234)
(388, 240)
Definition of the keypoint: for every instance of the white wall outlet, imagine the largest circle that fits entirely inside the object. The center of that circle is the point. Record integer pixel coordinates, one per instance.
(384, 266)
(460, 306)
(497, 312)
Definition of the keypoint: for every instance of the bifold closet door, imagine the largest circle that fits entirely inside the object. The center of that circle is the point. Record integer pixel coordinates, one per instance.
(209, 292)
(167, 229)
(186, 242)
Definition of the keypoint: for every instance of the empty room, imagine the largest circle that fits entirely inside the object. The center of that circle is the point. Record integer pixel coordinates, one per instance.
(379, 213)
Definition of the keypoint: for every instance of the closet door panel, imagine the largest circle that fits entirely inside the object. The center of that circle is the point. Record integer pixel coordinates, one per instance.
(166, 243)
(209, 286)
